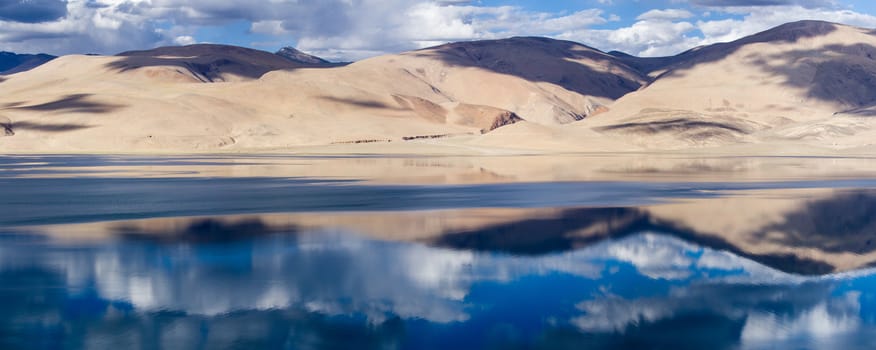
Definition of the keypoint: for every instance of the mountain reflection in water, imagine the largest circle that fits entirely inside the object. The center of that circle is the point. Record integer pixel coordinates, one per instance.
(560, 252)
(331, 288)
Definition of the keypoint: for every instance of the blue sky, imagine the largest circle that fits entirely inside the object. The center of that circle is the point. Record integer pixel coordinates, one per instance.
(356, 29)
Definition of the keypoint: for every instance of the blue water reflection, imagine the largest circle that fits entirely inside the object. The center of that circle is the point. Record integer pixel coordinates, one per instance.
(325, 288)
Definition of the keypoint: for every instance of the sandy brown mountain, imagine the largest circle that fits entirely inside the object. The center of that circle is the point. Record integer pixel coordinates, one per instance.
(292, 54)
(808, 83)
(206, 62)
(804, 87)
(156, 101)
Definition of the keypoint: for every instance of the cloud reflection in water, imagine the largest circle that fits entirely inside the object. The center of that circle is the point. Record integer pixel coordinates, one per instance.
(322, 287)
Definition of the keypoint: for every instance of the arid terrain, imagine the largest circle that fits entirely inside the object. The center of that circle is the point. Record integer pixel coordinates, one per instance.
(803, 88)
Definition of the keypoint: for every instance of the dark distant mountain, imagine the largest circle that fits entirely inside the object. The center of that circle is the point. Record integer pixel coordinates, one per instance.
(11, 63)
(646, 65)
(208, 62)
(290, 53)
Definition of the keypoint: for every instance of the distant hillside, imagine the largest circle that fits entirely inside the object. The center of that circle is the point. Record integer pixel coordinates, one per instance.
(208, 62)
(645, 65)
(11, 63)
(294, 55)
(574, 66)
(792, 83)
(802, 87)
(543, 80)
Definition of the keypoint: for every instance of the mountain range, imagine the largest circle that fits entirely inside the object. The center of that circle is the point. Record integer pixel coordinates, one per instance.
(806, 87)
(11, 63)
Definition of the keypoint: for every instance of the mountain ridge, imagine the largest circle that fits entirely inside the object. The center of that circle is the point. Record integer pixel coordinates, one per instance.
(802, 83)
(295, 55)
(11, 63)
(790, 83)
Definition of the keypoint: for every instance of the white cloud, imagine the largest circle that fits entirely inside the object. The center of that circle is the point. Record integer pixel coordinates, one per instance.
(667, 14)
(184, 40)
(345, 30)
(427, 24)
(87, 27)
(753, 3)
(668, 32)
(821, 322)
(644, 38)
(270, 27)
(336, 274)
(340, 29)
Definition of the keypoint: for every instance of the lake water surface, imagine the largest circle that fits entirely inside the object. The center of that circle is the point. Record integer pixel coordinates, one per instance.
(578, 252)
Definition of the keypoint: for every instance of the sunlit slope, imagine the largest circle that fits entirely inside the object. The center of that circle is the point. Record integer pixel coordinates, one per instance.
(804, 88)
(795, 83)
(159, 99)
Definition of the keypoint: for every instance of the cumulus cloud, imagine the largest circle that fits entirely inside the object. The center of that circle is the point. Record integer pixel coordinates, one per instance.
(32, 11)
(667, 14)
(86, 26)
(670, 31)
(648, 37)
(350, 30)
(429, 23)
(739, 3)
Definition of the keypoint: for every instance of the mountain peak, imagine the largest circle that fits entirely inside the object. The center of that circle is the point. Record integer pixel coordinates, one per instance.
(195, 50)
(793, 31)
(294, 55)
(207, 62)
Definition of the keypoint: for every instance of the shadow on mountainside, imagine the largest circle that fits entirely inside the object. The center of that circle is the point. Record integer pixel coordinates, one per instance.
(843, 74)
(205, 69)
(360, 103)
(786, 33)
(684, 125)
(209, 62)
(863, 112)
(75, 103)
(8, 128)
(673, 125)
(851, 82)
(675, 65)
(12, 127)
(543, 60)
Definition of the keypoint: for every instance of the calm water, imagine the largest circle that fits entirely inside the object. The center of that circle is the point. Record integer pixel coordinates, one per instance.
(147, 253)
